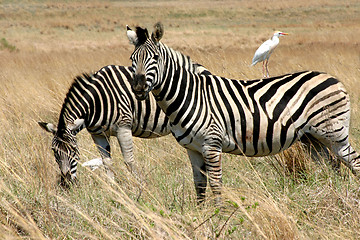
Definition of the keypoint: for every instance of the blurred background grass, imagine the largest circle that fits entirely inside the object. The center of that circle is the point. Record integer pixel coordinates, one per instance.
(45, 45)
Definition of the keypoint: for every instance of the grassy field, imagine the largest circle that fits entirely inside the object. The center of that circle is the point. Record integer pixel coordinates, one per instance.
(44, 45)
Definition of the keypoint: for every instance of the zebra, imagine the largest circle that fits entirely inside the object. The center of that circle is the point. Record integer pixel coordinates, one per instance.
(209, 114)
(104, 104)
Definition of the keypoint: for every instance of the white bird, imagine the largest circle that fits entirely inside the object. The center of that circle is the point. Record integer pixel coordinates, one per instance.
(263, 53)
(94, 163)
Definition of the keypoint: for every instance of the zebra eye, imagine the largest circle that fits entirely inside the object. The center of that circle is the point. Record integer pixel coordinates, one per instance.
(156, 57)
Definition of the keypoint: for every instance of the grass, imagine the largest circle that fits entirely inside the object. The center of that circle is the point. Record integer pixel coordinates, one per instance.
(4, 44)
(276, 197)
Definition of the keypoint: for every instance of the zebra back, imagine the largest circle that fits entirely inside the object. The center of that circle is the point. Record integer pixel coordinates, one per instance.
(105, 100)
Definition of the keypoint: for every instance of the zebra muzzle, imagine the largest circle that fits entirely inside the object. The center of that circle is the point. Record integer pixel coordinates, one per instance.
(141, 87)
(67, 180)
(67, 174)
(142, 93)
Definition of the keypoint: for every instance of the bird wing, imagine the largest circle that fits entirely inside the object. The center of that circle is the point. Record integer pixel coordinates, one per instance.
(262, 52)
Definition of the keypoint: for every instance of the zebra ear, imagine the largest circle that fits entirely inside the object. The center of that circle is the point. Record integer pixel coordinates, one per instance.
(77, 125)
(132, 36)
(158, 32)
(49, 127)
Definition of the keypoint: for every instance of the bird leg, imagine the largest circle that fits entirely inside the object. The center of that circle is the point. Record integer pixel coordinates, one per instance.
(264, 75)
(267, 70)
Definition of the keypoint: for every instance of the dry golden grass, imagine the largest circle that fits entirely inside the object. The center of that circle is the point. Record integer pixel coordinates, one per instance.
(263, 199)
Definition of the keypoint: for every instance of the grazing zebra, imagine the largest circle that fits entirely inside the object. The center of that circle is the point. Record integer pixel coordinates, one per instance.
(106, 106)
(210, 114)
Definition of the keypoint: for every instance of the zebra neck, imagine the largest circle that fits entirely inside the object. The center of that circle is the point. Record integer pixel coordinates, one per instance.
(67, 119)
(175, 91)
(176, 95)
(176, 59)
(69, 113)
(77, 103)
(174, 62)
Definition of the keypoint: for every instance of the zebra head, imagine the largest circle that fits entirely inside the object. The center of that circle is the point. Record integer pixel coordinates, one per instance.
(146, 60)
(65, 149)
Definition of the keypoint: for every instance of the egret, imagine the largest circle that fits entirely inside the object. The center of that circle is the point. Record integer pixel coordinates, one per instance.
(263, 53)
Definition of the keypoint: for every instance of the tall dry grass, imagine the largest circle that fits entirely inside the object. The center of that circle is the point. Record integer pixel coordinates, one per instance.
(277, 197)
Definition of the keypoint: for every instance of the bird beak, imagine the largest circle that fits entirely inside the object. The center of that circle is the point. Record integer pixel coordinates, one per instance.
(284, 33)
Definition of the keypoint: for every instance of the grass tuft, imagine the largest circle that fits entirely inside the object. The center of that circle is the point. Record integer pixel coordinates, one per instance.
(4, 44)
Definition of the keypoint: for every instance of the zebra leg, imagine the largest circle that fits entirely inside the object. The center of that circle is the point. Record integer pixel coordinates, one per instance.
(319, 151)
(103, 145)
(199, 174)
(212, 148)
(124, 136)
(338, 143)
(212, 157)
(348, 155)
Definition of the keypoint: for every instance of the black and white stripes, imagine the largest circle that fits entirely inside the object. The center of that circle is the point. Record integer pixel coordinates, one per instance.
(210, 114)
(106, 106)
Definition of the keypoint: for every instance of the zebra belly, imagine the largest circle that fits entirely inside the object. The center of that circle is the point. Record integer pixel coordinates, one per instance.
(108, 130)
(269, 138)
(187, 138)
(195, 142)
(262, 148)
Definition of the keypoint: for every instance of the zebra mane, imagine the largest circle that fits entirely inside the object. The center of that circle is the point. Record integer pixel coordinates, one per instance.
(78, 83)
(84, 78)
(142, 35)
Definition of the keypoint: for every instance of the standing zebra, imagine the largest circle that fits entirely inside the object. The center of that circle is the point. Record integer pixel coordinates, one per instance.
(210, 114)
(106, 106)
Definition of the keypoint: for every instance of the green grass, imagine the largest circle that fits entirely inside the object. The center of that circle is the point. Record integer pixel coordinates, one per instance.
(4, 44)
